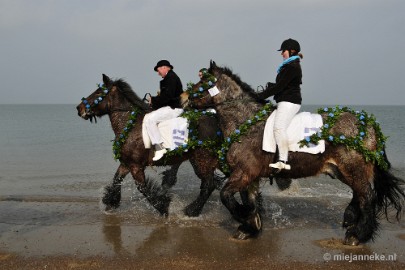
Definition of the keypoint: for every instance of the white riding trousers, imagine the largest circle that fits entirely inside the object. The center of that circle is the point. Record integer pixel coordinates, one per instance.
(152, 119)
(284, 115)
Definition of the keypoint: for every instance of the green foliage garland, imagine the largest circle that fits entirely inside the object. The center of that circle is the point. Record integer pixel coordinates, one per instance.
(121, 138)
(262, 115)
(355, 143)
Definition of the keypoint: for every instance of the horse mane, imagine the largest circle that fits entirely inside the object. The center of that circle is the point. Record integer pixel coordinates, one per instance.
(130, 95)
(244, 86)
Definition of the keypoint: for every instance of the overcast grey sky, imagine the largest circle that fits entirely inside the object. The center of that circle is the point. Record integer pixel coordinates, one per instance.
(54, 51)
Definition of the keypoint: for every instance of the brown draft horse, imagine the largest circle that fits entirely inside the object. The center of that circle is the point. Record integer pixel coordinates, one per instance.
(117, 100)
(374, 189)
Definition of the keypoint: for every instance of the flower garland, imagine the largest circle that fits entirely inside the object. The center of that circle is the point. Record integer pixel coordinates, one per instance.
(209, 82)
(120, 140)
(262, 115)
(97, 100)
(355, 143)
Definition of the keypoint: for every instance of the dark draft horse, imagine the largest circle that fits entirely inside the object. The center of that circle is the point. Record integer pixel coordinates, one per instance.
(374, 189)
(118, 104)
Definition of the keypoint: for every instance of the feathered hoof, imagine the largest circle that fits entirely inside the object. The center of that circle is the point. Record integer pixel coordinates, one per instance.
(351, 241)
(241, 235)
(192, 210)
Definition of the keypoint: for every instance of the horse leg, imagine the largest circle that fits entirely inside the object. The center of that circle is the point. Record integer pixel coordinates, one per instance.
(204, 167)
(247, 213)
(364, 211)
(154, 193)
(170, 176)
(252, 225)
(112, 192)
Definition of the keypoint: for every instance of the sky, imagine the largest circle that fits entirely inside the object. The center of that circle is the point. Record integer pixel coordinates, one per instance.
(55, 51)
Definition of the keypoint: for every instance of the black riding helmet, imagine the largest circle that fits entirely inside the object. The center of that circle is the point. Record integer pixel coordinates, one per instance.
(290, 44)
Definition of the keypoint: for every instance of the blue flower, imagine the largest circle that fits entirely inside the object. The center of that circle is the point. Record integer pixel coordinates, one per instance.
(96, 101)
(184, 145)
(249, 121)
(190, 131)
(132, 113)
(210, 83)
(331, 114)
(121, 135)
(264, 112)
(325, 109)
(200, 142)
(362, 133)
(256, 116)
(195, 95)
(330, 138)
(204, 112)
(201, 89)
(100, 85)
(361, 117)
(340, 107)
(222, 158)
(319, 134)
(228, 139)
(130, 121)
(88, 106)
(307, 138)
(237, 131)
(219, 133)
(342, 137)
(85, 101)
(106, 91)
(195, 110)
(362, 122)
(100, 98)
(326, 126)
(125, 128)
(382, 152)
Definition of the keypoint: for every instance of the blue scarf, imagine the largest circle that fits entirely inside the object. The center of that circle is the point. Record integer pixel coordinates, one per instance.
(287, 61)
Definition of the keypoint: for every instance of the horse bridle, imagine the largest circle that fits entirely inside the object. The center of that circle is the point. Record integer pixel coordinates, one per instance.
(99, 100)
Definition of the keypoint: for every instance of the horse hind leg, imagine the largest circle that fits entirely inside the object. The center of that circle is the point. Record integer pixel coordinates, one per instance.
(170, 177)
(360, 217)
(112, 192)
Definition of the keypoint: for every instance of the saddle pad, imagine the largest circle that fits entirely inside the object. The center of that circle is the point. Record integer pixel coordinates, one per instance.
(174, 132)
(303, 125)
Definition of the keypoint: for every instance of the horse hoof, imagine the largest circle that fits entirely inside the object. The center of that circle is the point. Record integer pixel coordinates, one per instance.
(351, 241)
(241, 235)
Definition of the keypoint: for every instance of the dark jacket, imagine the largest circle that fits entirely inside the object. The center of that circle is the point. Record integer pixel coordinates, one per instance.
(287, 86)
(170, 91)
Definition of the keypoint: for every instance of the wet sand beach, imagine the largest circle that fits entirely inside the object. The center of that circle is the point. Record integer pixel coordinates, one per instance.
(48, 232)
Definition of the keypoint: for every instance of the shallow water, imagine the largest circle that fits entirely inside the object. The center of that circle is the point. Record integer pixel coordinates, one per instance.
(54, 165)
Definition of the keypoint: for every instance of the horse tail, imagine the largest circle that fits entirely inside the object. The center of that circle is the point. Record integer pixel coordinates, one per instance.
(387, 188)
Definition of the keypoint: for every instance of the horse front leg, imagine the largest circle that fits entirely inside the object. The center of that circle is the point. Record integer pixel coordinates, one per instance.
(152, 191)
(112, 192)
(247, 213)
(204, 167)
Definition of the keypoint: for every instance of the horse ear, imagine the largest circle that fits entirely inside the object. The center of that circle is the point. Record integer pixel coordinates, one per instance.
(106, 80)
(212, 64)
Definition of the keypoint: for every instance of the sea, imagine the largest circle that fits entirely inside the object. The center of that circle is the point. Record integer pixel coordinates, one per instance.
(48, 153)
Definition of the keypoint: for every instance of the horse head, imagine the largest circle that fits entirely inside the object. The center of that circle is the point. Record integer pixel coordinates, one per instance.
(218, 85)
(110, 96)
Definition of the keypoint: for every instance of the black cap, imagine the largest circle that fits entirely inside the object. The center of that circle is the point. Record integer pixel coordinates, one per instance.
(163, 63)
(290, 44)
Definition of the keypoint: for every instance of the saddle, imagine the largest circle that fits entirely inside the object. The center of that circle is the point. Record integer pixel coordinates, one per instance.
(303, 125)
(174, 133)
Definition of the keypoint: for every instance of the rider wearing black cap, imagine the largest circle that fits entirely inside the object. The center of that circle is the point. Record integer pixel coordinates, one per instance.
(287, 94)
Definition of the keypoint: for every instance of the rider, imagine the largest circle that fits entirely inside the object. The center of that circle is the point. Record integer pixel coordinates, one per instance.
(287, 94)
(166, 105)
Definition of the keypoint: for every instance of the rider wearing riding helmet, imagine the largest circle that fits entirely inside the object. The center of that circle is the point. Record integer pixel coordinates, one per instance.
(287, 94)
